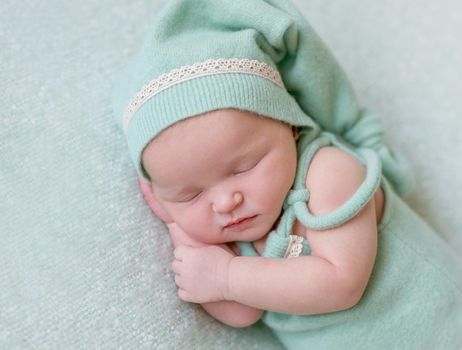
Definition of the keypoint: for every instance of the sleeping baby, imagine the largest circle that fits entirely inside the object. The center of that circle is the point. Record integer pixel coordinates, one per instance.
(281, 197)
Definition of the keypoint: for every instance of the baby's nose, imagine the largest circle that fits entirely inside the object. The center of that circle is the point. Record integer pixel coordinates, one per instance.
(225, 203)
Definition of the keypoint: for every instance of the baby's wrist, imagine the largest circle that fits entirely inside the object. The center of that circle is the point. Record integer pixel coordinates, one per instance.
(229, 288)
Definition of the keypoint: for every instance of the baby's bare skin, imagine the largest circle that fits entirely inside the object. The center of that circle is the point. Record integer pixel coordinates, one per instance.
(207, 187)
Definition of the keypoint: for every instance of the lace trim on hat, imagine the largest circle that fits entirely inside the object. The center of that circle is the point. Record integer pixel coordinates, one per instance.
(209, 67)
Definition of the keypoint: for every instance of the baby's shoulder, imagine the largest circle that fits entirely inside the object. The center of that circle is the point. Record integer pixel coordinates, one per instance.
(333, 177)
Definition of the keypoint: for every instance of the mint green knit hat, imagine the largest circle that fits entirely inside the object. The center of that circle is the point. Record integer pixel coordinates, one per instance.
(254, 55)
(201, 56)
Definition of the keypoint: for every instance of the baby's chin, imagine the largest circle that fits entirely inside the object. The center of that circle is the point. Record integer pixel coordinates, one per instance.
(251, 236)
(255, 230)
(232, 238)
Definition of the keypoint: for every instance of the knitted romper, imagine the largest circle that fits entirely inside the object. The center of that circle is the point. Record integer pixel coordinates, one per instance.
(414, 297)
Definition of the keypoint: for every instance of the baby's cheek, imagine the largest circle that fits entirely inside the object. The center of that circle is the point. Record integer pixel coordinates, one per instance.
(198, 223)
(271, 193)
(275, 179)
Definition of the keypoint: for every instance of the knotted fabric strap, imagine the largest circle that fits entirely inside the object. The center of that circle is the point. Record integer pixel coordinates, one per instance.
(295, 205)
(352, 206)
(280, 242)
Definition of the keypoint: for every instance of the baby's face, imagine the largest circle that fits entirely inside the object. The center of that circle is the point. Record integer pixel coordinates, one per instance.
(223, 176)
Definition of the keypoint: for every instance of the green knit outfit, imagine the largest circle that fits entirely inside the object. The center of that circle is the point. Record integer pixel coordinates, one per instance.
(262, 56)
(414, 297)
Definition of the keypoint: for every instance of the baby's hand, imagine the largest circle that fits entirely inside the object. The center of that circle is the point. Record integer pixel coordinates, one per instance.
(201, 274)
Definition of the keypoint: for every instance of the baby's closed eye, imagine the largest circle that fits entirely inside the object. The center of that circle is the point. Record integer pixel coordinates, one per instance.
(245, 168)
(190, 197)
(248, 164)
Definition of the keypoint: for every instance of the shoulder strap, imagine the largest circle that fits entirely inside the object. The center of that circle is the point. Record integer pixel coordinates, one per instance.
(299, 196)
(295, 205)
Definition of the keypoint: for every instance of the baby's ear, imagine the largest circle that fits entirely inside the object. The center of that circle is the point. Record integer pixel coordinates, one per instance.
(149, 197)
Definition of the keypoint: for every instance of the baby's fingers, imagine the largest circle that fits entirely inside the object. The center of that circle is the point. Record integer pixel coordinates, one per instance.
(184, 295)
(176, 266)
(178, 281)
(179, 252)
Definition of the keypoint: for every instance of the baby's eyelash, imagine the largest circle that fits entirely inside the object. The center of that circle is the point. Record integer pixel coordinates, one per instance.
(237, 172)
(190, 198)
(241, 171)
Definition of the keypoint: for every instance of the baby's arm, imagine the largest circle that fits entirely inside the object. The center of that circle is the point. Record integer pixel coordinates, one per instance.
(333, 278)
(229, 312)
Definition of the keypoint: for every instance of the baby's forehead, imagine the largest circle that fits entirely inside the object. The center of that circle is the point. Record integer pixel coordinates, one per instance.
(221, 120)
(230, 131)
